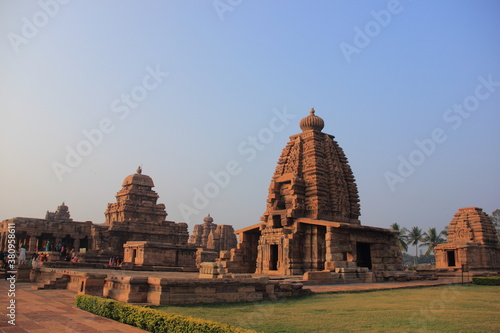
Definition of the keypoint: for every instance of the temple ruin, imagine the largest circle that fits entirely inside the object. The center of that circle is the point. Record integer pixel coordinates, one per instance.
(472, 242)
(311, 222)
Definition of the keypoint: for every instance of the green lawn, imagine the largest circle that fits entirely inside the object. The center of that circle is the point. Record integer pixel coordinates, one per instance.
(457, 308)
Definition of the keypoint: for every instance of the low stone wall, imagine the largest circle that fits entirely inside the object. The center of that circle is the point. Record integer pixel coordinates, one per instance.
(160, 291)
(339, 276)
(79, 282)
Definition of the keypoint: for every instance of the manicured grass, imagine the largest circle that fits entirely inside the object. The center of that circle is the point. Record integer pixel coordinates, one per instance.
(455, 308)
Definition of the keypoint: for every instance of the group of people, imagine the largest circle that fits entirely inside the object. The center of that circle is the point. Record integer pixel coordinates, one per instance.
(38, 258)
(20, 257)
(115, 261)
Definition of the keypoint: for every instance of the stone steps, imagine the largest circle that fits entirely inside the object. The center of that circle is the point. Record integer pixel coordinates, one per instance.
(59, 281)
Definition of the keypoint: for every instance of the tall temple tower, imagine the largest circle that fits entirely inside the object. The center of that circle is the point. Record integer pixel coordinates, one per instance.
(312, 214)
(136, 201)
(312, 180)
(136, 216)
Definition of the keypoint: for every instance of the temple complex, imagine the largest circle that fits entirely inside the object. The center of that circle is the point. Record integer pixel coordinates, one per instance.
(472, 241)
(136, 217)
(311, 222)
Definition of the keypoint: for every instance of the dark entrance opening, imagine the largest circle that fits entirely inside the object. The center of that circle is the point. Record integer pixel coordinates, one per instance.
(46, 242)
(134, 254)
(84, 243)
(68, 242)
(451, 258)
(277, 221)
(363, 255)
(273, 264)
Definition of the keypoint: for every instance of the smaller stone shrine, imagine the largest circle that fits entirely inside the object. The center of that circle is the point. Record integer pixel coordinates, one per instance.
(151, 255)
(472, 241)
(210, 239)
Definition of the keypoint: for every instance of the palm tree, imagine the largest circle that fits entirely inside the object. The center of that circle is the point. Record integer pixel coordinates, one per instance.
(431, 240)
(402, 237)
(445, 231)
(414, 237)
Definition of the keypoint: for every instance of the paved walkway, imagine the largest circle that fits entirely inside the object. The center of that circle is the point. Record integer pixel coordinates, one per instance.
(52, 311)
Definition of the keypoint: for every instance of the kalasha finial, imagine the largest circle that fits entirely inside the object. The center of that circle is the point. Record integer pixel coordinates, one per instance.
(208, 219)
(312, 122)
(139, 170)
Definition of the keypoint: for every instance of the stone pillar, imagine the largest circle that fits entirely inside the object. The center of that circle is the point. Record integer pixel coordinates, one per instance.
(315, 248)
(32, 243)
(307, 248)
(329, 251)
(76, 245)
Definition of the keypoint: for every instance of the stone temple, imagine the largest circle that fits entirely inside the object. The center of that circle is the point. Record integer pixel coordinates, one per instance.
(210, 238)
(311, 222)
(472, 241)
(135, 228)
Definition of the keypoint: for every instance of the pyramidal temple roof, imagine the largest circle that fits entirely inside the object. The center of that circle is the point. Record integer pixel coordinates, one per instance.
(313, 179)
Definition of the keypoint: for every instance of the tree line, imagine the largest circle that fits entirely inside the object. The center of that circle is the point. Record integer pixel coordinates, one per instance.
(432, 237)
(415, 235)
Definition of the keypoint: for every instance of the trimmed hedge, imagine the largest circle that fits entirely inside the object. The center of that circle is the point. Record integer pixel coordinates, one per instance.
(487, 281)
(149, 319)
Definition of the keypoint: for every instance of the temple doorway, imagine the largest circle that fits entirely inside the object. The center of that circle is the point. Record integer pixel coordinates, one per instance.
(273, 263)
(451, 258)
(364, 256)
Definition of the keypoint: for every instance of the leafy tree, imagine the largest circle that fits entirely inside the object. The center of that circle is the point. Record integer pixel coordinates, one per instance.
(402, 237)
(431, 239)
(415, 235)
(495, 218)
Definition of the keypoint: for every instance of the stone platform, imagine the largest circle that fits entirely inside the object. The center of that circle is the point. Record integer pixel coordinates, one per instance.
(158, 288)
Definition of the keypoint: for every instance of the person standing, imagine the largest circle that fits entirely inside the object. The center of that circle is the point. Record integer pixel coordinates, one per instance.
(22, 255)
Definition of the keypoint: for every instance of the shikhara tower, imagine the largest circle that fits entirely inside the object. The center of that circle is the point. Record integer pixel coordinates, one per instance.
(312, 214)
(312, 180)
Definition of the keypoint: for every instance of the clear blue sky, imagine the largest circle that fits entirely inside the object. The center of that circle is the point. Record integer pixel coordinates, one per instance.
(382, 74)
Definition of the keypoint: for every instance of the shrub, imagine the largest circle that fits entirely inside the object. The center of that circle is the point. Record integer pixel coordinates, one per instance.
(487, 281)
(149, 319)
